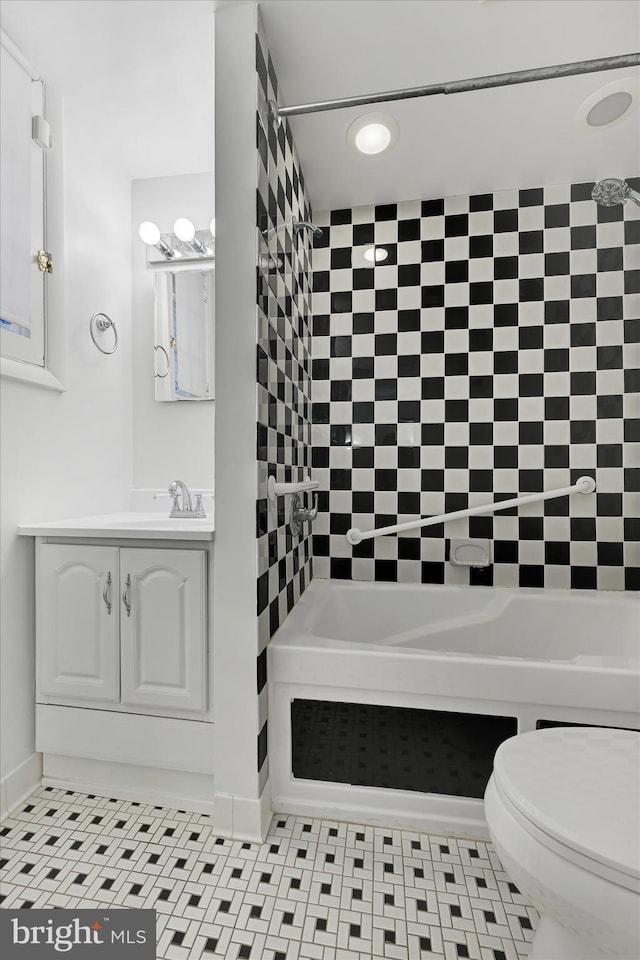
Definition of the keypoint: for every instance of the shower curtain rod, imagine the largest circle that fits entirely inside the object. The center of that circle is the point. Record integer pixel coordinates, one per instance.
(463, 86)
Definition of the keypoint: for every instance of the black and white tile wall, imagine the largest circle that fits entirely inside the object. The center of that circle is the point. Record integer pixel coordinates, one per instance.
(283, 372)
(494, 352)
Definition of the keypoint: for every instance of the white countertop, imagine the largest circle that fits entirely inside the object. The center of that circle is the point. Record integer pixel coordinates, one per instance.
(127, 525)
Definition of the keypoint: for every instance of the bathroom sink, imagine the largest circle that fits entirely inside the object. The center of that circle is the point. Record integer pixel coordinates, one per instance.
(127, 525)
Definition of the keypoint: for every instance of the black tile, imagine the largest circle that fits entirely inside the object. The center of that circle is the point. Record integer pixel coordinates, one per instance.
(505, 361)
(340, 258)
(409, 275)
(432, 208)
(505, 221)
(363, 233)
(479, 433)
(583, 285)
(456, 318)
(480, 340)
(363, 279)
(556, 215)
(584, 578)
(531, 289)
(456, 225)
(386, 211)
(456, 271)
(610, 554)
(583, 334)
(432, 250)
(340, 217)
(341, 302)
(505, 268)
(481, 246)
(610, 258)
(530, 575)
(480, 293)
(556, 311)
(583, 238)
(531, 241)
(531, 198)
(409, 229)
(556, 264)
(556, 360)
(632, 281)
(433, 296)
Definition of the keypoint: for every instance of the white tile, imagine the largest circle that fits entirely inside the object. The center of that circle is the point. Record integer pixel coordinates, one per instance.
(288, 891)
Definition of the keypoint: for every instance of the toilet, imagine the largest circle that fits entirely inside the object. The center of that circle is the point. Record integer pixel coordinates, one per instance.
(563, 811)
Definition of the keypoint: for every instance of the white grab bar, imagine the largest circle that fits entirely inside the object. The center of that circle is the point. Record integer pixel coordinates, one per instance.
(582, 485)
(276, 489)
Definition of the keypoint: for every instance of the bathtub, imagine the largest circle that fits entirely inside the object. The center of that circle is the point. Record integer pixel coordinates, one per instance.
(536, 656)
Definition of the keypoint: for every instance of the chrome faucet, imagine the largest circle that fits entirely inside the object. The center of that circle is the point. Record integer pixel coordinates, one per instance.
(299, 514)
(181, 503)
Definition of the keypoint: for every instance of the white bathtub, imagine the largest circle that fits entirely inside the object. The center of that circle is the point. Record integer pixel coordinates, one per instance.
(535, 655)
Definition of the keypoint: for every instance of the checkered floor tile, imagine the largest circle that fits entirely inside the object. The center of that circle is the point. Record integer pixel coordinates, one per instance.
(315, 890)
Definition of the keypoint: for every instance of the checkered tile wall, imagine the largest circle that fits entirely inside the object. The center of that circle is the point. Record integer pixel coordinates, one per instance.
(283, 372)
(494, 351)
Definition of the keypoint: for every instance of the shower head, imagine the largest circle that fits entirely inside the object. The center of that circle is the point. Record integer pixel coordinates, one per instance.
(298, 225)
(611, 192)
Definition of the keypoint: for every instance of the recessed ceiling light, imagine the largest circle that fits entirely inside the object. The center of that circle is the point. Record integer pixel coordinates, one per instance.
(375, 254)
(372, 133)
(608, 104)
(609, 108)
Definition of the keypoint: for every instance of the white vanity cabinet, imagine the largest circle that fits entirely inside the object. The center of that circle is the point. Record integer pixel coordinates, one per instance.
(122, 628)
(77, 627)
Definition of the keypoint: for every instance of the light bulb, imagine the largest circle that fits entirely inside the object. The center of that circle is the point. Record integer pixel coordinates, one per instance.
(374, 138)
(372, 133)
(184, 230)
(212, 227)
(149, 233)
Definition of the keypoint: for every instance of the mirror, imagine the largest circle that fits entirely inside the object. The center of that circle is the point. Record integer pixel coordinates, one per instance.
(183, 340)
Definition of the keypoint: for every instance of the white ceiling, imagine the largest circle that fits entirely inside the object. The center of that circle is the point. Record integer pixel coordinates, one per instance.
(141, 71)
(519, 136)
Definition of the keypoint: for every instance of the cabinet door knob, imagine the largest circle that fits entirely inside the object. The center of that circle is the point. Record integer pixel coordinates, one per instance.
(106, 593)
(125, 595)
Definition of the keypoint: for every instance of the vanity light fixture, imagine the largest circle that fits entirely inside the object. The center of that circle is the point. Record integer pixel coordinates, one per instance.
(376, 254)
(372, 133)
(185, 243)
(149, 233)
(185, 231)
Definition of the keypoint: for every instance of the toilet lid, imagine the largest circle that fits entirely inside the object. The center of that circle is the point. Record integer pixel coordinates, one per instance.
(579, 786)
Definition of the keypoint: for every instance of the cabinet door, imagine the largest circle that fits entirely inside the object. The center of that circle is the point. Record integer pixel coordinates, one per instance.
(77, 623)
(162, 617)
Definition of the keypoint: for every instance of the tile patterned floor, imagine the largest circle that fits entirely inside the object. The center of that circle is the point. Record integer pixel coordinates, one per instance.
(315, 890)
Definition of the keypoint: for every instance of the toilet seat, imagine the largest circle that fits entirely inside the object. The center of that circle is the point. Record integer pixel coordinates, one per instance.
(577, 790)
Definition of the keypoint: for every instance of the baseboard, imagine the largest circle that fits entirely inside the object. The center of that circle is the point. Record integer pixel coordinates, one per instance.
(165, 788)
(135, 740)
(244, 818)
(19, 783)
(425, 813)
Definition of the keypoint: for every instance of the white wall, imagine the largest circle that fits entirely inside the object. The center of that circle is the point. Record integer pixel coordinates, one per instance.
(235, 568)
(170, 440)
(65, 454)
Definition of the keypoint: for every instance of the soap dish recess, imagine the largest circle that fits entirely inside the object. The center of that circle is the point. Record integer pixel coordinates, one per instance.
(470, 553)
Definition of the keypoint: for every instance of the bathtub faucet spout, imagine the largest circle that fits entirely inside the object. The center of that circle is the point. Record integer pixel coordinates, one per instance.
(299, 514)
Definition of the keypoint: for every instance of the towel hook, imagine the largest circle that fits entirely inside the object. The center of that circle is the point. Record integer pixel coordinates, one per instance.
(102, 322)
